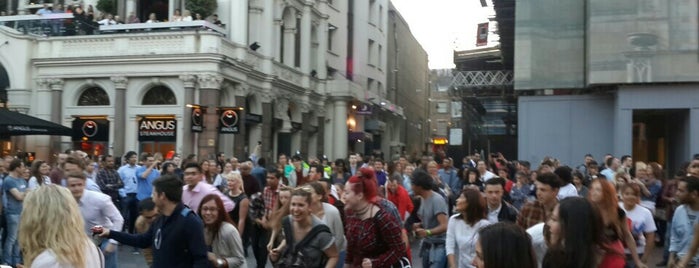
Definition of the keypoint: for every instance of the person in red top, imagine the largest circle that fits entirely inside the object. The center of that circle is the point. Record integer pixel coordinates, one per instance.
(400, 197)
(373, 234)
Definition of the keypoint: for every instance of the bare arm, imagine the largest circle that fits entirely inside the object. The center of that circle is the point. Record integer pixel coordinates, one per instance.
(332, 255)
(243, 215)
(17, 194)
(630, 242)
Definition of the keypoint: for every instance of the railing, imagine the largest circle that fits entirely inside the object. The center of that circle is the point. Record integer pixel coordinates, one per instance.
(66, 24)
(482, 79)
(162, 26)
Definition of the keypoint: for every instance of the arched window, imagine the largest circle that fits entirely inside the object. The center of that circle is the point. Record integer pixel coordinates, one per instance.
(159, 95)
(94, 96)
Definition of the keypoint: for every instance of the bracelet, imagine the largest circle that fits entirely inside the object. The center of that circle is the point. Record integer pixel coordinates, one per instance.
(429, 233)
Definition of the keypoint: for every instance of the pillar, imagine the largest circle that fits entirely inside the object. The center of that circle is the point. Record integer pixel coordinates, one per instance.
(320, 135)
(306, 131)
(623, 131)
(42, 147)
(119, 139)
(209, 93)
(340, 141)
(322, 71)
(239, 142)
(277, 37)
(306, 38)
(290, 38)
(188, 137)
(238, 22)
(267, 121)
(56, 86)
(130, 7)
(256, 21)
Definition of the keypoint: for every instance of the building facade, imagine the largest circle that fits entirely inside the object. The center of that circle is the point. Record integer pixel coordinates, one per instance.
(608, 77)
(281, 74)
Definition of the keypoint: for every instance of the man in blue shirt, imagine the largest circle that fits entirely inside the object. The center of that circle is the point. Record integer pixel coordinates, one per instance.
(145, 175)
(260, 172)
(177, 237)
(15, 188)
(129, 203)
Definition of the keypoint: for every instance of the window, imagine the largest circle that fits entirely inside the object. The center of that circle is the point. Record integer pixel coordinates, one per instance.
(94, 96)
(370, 52)
(159, 95)
(380, 18)
(372, 12)
(332, 29)
(369, 84)
(379, 59)
(442, 107)
(442, 126)
(442, 88)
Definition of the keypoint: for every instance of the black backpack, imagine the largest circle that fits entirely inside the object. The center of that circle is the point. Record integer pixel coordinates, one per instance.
(297, 255)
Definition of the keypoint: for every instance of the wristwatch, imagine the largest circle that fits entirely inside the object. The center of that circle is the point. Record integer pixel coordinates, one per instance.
(219, 262)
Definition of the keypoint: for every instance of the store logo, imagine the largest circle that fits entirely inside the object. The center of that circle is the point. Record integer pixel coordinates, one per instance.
(197, 120)
(229, 118)
(157, 125)
(89, 128)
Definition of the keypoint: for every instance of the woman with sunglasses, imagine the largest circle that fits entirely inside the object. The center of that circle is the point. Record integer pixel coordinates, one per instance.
(309, 242)
(221, 237)
(373, 234)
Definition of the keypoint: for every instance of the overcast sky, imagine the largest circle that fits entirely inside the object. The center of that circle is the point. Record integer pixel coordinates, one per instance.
(441, 26)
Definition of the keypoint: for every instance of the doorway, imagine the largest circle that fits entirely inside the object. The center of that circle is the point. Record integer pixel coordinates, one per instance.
(661, 136)
(159, 7)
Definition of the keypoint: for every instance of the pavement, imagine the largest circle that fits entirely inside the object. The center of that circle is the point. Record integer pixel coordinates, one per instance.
(129, 260)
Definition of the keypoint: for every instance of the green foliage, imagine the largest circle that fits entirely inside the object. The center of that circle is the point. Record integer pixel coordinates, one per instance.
(204, 7)
(107, 6)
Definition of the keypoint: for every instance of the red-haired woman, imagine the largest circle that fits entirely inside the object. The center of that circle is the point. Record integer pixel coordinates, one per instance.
(223, 240)
(616, 229)
(373, 234)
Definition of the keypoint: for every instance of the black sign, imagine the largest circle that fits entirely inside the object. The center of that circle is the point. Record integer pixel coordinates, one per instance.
(198, 119)
(296, 126)
(157, 129)
(253, 118)
(228, 120)
(364, 109)
(90, 130)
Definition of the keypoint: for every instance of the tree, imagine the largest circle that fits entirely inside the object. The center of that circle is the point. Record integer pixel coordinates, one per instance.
(107, 6)
(204, 7)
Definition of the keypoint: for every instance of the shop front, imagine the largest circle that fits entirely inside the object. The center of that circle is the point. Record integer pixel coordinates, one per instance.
(157, 134)
(91, 135)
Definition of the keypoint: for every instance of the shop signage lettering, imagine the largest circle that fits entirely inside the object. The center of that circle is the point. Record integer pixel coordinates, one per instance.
(156, 129)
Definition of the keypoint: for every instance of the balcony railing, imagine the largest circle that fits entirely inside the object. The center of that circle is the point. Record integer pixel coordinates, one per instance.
(482, 79)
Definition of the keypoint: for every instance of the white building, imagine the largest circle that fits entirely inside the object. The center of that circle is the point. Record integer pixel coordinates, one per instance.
(315, 61)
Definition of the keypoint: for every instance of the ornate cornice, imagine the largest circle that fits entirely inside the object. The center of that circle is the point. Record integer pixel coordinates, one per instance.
(209, 81)
(120, 82)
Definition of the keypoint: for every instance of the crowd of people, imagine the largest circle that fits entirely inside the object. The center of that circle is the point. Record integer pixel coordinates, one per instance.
(356, 212)
(86, 21)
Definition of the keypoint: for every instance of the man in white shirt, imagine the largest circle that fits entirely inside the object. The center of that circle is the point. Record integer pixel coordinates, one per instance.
(565, 173)
(96, 209)
(483, 170)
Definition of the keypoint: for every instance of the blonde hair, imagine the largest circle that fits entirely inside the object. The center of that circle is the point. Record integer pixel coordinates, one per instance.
(51, 220)
(234, 176)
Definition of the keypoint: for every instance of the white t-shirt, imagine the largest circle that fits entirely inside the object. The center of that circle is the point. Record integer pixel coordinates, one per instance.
(538, 241)
(641, 222)
(567, 191)
(461, 239)
(48, 259)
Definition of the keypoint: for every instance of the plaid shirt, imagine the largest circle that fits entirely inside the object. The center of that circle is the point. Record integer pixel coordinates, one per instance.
(532, 213)
(109, 182)
(270, 197)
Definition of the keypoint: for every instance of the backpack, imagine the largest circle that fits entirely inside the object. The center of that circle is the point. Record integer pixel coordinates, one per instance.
(299, 255)
(257, 207)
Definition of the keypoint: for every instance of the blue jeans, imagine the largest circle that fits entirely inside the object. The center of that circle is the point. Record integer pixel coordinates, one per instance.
(11, 254)
(666, 248)
(111, 260)
(433, 256)
(341, 259)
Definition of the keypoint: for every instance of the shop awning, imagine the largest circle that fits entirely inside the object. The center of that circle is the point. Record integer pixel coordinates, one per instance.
(18, 124)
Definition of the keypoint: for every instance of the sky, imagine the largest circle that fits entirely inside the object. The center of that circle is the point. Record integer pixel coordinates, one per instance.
(442, 26)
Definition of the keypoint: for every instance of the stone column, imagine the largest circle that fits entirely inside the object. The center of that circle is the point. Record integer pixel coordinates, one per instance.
(306, 38)
(239, 140)
(305, 129)
(209, 92)
(277, 37)
(188, 137)
(267, 121)
(290, 39)
(43, 143)
(130, 7)
(322, 72)
(258, 24)
(238, 22)
(119, 139)
(340, 127)
(56, 86)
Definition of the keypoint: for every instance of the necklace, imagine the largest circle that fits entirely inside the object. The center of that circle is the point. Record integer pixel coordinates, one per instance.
(363, 210)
